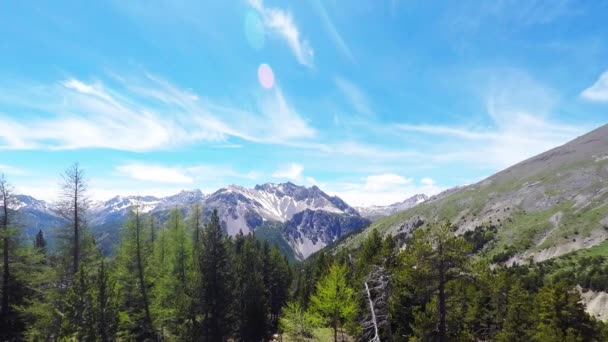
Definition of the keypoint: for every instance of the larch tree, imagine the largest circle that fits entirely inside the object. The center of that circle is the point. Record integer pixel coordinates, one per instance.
(132, 265)
(334, 300)
(72, 206)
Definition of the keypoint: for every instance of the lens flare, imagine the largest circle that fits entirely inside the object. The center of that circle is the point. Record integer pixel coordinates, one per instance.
(266, 76)
(254, 30)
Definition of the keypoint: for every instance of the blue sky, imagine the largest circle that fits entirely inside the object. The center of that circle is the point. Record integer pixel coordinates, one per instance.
(371, 100)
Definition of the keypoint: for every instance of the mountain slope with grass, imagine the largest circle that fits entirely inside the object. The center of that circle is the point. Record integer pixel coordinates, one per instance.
(543, 207)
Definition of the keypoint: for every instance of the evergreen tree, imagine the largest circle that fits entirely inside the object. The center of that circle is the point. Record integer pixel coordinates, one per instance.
(40, 242)
(277, 278)
(517, 324)
(79, 317)
(559, 316)
(106, 311)
(252, 309)
(216, 283)
(434, 258)
(8, 319)
(334, 300)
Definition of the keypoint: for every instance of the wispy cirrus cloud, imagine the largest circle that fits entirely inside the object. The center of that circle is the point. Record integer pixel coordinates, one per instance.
(333, 31)
(519, 125)
(354, 95)
(138, 114)
(281, 23)
(598, 91)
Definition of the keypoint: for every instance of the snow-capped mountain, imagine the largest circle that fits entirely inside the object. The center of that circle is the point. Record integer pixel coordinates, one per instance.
(35, 215)
(308, 218)
(375, 212)
(245, 209)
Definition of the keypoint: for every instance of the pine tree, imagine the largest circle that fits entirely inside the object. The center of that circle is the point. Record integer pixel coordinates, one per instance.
(334, 300)
(252, 310)
(517, 324)
(40, 242)
(435, 257)
(216, 282)
(277, 278)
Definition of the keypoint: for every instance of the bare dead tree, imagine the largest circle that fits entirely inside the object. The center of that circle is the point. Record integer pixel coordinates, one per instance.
(6, 202)
(72, 206)
(376, 294)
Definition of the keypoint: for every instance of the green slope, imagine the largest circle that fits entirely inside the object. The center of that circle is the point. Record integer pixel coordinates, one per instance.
(546, 206)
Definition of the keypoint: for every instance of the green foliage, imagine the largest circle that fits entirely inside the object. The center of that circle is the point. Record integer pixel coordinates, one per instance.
(216, 285)
(334, 299)
(298, 323)
(133, 274)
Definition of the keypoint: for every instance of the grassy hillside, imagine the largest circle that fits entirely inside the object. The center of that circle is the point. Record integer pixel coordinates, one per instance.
(546, 206)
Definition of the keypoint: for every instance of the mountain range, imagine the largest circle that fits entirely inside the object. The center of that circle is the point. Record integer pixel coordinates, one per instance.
(302, 219)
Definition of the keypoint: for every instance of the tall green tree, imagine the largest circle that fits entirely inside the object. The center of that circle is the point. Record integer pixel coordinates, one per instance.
(518, 320)
(251, 302)
(105, 306)
(559, 316)
(134, 280)
(334, 300)
(6, 201)
(434, 258)
(216, 284)
(173, 293)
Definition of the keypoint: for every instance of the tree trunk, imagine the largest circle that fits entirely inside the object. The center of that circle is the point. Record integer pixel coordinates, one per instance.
(6, 273)
(442, 305)
(335, 331)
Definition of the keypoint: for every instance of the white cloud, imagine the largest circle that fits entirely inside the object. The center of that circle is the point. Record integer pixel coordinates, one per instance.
(291, 171)
(281, 22)
(381, 189)
(138, 114)
(427, 181)
(385, 181)
(155, 173)
(354, 95)
(597, 92)
(182, 174)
